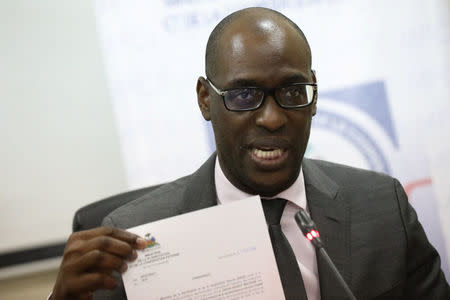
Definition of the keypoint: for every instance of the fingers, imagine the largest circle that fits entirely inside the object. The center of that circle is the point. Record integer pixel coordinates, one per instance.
(116, 233)
(86, 283)
(102, 243)
(99, 261)
(89, 259)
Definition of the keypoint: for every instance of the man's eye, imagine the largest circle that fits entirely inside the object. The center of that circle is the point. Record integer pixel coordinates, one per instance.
(291, 94)
(245, 94)
(248, 95)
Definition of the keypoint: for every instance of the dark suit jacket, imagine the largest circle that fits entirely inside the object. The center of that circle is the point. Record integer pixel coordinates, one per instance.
(369, 229)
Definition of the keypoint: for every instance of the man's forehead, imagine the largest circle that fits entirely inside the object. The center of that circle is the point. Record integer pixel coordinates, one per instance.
(256, 26)
(259, 26)
(254, 35)
(249, 41)
(236, 41)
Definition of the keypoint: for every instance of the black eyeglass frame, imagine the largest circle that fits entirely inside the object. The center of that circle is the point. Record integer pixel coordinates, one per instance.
(266, 92)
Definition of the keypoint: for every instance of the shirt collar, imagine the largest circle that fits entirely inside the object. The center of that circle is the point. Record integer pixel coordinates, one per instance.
(227, 192)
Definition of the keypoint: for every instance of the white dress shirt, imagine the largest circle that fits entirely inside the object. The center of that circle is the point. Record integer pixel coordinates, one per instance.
(303, 249)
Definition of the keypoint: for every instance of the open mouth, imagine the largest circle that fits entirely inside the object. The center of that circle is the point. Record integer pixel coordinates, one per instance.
(269, 159)
(269, 154)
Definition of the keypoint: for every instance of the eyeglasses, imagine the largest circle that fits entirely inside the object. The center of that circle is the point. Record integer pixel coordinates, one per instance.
(289, 96)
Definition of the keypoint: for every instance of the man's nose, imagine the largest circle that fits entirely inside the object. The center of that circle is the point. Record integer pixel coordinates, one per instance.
(270, 115)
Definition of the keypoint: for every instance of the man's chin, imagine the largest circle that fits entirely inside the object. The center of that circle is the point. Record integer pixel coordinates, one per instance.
(266, 181)
(270, 185)
(268, 192)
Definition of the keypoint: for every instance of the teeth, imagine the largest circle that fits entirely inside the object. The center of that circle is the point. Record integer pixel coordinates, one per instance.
(267, 154)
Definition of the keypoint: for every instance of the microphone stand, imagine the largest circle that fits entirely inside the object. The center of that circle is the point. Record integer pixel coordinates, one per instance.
(308, 227)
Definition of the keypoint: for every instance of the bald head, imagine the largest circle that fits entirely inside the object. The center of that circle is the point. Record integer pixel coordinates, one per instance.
(266, 23)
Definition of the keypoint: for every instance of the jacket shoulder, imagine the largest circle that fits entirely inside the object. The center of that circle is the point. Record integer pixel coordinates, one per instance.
(160, 203)
(168, 200)
(344, 174)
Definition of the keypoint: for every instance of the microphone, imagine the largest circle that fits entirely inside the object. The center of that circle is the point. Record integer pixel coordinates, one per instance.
(309, 230)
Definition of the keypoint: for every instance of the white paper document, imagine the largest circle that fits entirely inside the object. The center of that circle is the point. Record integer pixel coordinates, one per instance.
(218, 253)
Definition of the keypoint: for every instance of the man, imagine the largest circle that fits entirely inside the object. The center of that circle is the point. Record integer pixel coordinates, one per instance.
(260, 94)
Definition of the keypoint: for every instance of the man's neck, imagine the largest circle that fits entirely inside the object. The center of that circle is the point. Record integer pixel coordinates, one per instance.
(227, 192)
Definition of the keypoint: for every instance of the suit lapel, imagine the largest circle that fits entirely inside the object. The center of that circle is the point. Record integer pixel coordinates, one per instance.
(332, 218)
(201, 190)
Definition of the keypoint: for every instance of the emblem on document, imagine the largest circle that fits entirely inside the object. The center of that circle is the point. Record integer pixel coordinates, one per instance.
(151, 241)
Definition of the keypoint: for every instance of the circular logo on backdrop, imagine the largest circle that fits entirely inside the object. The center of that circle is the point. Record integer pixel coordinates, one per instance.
(353, 126)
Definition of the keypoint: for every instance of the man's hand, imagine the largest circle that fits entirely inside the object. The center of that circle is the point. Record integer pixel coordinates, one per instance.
(89, 259)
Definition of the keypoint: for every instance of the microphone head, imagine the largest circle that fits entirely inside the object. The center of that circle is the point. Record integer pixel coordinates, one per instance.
(308, 228)
(303, 220)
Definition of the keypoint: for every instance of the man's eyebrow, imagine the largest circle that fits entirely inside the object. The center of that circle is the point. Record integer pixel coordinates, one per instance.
(297, 78)
(242, 82)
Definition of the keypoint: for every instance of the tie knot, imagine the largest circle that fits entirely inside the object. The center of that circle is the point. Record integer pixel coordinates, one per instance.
(273, 209)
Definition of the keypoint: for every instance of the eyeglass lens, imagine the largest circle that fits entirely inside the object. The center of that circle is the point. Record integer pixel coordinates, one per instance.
(249, 98)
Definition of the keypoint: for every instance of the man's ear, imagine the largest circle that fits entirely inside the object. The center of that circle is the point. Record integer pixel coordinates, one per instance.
(314, 108)
(203, 98)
